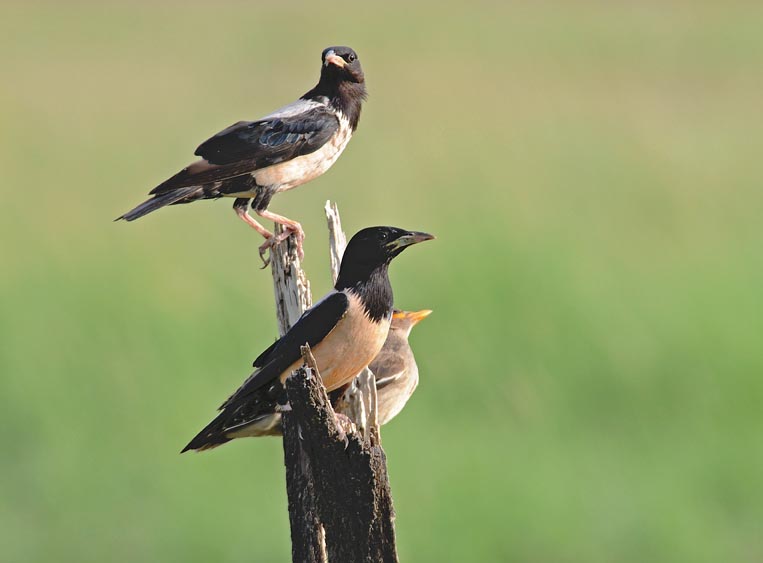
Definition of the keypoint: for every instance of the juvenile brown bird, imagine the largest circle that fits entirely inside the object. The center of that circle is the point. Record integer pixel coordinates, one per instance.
(346, 330)
(254, 160)
(394, 368)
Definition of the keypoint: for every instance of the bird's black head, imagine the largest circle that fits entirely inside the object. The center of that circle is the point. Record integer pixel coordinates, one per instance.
(341, 64)
(364, 266)
(371, 250)
(342, 83)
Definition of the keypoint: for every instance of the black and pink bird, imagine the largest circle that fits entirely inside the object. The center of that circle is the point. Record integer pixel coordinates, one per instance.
(254, 160)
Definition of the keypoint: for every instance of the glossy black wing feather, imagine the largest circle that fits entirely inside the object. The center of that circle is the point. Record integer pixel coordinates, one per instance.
(312, 327)
(271, 140)
(190, 177)
(259, 362)
(262, 359)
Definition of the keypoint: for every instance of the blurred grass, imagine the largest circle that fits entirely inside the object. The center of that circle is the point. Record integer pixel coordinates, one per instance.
(591, 382)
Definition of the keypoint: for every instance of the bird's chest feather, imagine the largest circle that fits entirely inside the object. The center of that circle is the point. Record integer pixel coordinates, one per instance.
(349, 347)
(297, 171)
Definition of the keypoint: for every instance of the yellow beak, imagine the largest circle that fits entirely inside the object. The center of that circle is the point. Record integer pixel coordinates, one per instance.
(415, 316)
(334, 59)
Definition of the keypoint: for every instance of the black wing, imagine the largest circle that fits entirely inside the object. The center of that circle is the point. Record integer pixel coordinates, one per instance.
(312, 327)
(262, 359)
(250, 145)
(201, 172)
(271, 140)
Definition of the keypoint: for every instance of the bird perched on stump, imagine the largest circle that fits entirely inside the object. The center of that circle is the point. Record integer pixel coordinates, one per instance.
(345, 330)
(254, 160)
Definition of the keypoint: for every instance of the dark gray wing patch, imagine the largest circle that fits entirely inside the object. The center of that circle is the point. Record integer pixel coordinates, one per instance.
(273, 140)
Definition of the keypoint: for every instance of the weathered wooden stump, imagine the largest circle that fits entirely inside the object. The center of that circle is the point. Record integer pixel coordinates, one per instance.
(340, 506)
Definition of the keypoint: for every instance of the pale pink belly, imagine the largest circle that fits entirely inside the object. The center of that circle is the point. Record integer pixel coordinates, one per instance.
(346, 350)
(297, 171)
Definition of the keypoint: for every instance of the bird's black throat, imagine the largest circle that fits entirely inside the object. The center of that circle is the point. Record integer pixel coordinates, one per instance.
(343, 95)
(373, 289)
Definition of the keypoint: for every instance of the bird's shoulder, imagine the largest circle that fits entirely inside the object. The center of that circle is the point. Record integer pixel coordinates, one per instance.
(314, 324)
(387, 369)
(393, 360)
(293, 130)
(300, 107)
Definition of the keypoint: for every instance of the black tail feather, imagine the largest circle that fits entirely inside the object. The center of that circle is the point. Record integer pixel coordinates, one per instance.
(212, 436)
(160, 201)
(253, 415)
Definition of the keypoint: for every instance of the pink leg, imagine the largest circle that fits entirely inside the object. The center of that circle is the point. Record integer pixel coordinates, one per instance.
(292, 227)
(239, 206)
(249, 220)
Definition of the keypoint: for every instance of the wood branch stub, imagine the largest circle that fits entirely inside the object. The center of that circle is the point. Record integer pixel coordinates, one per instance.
(354, 503)
(308, 539)
(337, 239)
(359, 404)
(291, 286)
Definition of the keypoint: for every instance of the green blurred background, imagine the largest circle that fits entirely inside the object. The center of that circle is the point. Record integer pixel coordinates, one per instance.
(591, 377)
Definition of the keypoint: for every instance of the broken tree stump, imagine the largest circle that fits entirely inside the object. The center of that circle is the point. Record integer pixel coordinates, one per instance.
(340, 506)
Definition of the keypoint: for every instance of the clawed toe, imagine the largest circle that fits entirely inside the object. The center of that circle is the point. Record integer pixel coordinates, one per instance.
(264, 247)
(272, 240)
(299, 235)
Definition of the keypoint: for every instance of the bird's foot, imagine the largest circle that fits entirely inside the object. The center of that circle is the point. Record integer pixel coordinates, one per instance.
(273, 240)
(239, 206)
(263, 250)
(295, 229)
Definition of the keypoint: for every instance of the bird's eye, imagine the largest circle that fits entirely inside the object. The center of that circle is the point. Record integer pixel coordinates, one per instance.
(384, 235)
(351, 57)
